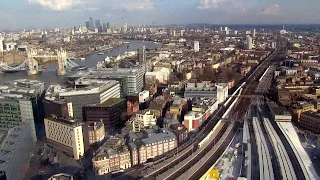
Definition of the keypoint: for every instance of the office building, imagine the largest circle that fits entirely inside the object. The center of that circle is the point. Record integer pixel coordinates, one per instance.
(58, 107)
(91, 25)
(218, 91)
(97, 23)
(88, 24)
(108, 25)
(144, 119)
(65, 135)
(14, 109)
(196, 46)
(114, 155)
(111, 112)
(150, 143)
(249, 42)
(125, 28)
(85, 91)
(131, 78)
(33, 91)
(16, 146)
(104, 27)
(93, 134)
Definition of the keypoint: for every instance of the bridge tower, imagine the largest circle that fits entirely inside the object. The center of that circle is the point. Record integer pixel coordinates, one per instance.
(62, 62)
(32, 64)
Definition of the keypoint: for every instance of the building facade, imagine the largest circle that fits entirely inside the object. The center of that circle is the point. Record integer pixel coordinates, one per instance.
(93, 133)
(65, 135)
(310, 121)
(112, 112)
(145, 119)
(88, 91)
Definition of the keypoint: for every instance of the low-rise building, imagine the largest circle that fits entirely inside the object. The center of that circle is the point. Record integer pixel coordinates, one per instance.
(144, 119)
(150, 143)
(279, 113)
(208, 90)
(65, 135)
(178, 106)
(93, 133)
(310, 121)
(112, 156)
(202, 109)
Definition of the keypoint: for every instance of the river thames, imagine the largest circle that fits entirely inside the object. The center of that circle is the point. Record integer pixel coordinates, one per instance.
(50, 77)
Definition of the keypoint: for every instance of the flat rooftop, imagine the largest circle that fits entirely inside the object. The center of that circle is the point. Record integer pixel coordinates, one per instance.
(87, 86)
(108, 103)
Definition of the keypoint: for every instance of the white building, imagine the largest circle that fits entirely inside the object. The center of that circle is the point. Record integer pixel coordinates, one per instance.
(143, 120)
(65, 135)
(202, 109)
(159, 73)
(144, 96)
(254, 33)
(208, 90)
(196, 46)
(1, 44)
(249, 42)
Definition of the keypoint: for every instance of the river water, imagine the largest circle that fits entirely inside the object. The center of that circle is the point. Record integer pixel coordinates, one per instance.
(50, 77)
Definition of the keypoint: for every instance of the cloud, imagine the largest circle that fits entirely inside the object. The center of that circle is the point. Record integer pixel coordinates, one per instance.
(92, 9)
(209, 4)
(132, 5)
(57, 5)
(271, 10)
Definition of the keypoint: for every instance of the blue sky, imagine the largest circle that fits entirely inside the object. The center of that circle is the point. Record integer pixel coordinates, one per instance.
(67, 13)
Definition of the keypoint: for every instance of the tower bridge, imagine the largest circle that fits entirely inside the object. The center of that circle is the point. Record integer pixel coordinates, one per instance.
(32, 67)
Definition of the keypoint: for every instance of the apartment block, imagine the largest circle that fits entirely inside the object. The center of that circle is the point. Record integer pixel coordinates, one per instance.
(310, 121)
(93, 133)
(150, 143)
(144, 119)
(65, 135)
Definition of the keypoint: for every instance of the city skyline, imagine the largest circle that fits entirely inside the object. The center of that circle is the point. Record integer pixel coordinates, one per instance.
(66, 14)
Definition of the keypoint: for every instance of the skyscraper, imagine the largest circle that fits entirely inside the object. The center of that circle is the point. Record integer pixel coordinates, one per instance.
(91, 23)
(125, 27)
(98, 24)
(249, 42)
(104, 26)
(196, 46)
(108, 25)
(87, 24)
(254, 33)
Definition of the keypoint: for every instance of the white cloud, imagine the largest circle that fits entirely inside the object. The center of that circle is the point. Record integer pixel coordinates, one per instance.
(57, 5)
(210, 4)
(131, 5)
(271, 10)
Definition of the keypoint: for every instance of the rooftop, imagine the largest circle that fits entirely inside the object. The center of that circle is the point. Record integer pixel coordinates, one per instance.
(65, 120)
(87, 86)
(61, 176)
(108, 103)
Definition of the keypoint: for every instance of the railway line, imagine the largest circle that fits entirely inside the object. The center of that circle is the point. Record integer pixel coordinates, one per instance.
(181, 164)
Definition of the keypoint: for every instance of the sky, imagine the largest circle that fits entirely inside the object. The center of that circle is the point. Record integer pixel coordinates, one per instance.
(19, 14)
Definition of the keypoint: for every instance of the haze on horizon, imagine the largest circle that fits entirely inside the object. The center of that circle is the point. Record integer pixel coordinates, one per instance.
(18, 14)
